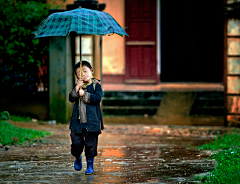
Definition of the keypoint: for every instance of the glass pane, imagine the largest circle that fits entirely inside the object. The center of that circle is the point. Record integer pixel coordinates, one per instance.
(89, 59)
(233, 46)
(77, 44)
(233, 27)
(233, 66)
(77, 59)
(87, 45)
(233, 85)
(233, 104)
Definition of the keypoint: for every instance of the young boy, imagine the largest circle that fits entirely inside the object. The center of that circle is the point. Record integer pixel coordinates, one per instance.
(86, 121)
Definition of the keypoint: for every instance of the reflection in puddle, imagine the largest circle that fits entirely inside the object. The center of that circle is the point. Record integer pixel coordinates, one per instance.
(121, 159)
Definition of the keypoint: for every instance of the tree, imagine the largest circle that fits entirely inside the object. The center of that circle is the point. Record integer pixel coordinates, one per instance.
(19, 51)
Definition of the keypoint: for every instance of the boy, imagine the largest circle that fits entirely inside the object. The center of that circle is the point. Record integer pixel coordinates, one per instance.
(86, 121)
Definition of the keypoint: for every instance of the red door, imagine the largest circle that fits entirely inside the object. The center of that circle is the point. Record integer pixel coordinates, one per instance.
(141, 44)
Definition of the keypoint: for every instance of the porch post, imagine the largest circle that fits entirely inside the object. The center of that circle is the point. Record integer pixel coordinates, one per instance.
(60, 78)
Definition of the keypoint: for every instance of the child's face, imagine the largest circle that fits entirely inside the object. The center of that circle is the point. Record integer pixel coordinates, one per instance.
(86, 74)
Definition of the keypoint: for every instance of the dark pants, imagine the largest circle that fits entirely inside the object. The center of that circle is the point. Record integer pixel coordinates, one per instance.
(86, 139)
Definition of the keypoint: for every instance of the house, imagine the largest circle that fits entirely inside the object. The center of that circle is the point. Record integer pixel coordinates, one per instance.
(190, 46)
(169, 41)
(173, 47)
(181, 46)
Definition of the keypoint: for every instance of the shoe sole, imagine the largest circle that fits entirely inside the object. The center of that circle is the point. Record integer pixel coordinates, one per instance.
(77, 169)
(89, 173)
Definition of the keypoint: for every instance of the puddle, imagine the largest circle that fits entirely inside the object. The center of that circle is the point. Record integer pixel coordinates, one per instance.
(123, 157)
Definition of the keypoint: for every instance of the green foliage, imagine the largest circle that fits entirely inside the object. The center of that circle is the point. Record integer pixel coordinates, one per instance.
(4, 115)
(10, 134)
(18, 20)
(227, 157)
(20, 118)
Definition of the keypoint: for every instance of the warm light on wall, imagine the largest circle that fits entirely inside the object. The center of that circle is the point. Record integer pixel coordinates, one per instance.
(113, 46)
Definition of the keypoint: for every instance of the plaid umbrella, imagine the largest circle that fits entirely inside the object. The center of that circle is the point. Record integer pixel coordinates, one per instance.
(81, 21)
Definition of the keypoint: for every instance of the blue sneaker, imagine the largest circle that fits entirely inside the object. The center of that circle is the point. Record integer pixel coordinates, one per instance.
(89, 170)
(78, 164)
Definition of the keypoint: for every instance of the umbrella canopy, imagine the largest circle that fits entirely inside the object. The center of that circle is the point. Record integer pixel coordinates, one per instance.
(81, 21)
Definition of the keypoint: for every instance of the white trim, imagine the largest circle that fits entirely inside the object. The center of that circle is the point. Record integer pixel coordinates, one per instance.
(158, 47)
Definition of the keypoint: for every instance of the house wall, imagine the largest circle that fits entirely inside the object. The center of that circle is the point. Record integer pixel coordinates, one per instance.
(113, 46)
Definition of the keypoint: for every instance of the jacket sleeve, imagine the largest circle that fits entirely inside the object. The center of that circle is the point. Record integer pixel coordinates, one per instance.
(73, 96)
(93, 98)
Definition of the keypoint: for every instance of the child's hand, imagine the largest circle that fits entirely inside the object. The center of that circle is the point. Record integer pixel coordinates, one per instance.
(81, 92)
(79, 84)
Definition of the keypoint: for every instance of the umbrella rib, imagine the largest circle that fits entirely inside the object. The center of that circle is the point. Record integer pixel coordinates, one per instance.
(41, 25)
(99, 21)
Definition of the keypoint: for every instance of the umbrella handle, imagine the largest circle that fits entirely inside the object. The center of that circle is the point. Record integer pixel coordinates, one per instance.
(80, 52)
(80, 75)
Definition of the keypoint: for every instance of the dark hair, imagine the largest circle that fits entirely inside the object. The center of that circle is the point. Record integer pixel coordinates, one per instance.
(84, 63)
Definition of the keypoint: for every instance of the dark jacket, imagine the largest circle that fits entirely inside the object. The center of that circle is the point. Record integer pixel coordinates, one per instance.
(93, 111)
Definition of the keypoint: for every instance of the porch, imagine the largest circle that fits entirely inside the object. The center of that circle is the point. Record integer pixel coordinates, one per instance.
(179, 102)
(186, 86)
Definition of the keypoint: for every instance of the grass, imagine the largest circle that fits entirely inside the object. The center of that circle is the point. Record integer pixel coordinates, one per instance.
(227, 157)
(10, 134)
(227, 141)
(21, 119)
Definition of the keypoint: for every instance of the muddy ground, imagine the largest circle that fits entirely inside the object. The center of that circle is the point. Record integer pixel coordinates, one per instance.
(126, 154)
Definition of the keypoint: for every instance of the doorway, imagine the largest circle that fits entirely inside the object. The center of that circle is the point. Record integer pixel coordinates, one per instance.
(141, 44)
(192, 41)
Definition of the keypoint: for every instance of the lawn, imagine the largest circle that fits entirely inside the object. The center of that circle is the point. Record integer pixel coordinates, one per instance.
(227, 170)
(10, 134)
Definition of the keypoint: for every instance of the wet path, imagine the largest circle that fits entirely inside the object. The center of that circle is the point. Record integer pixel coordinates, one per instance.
(126, 154)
